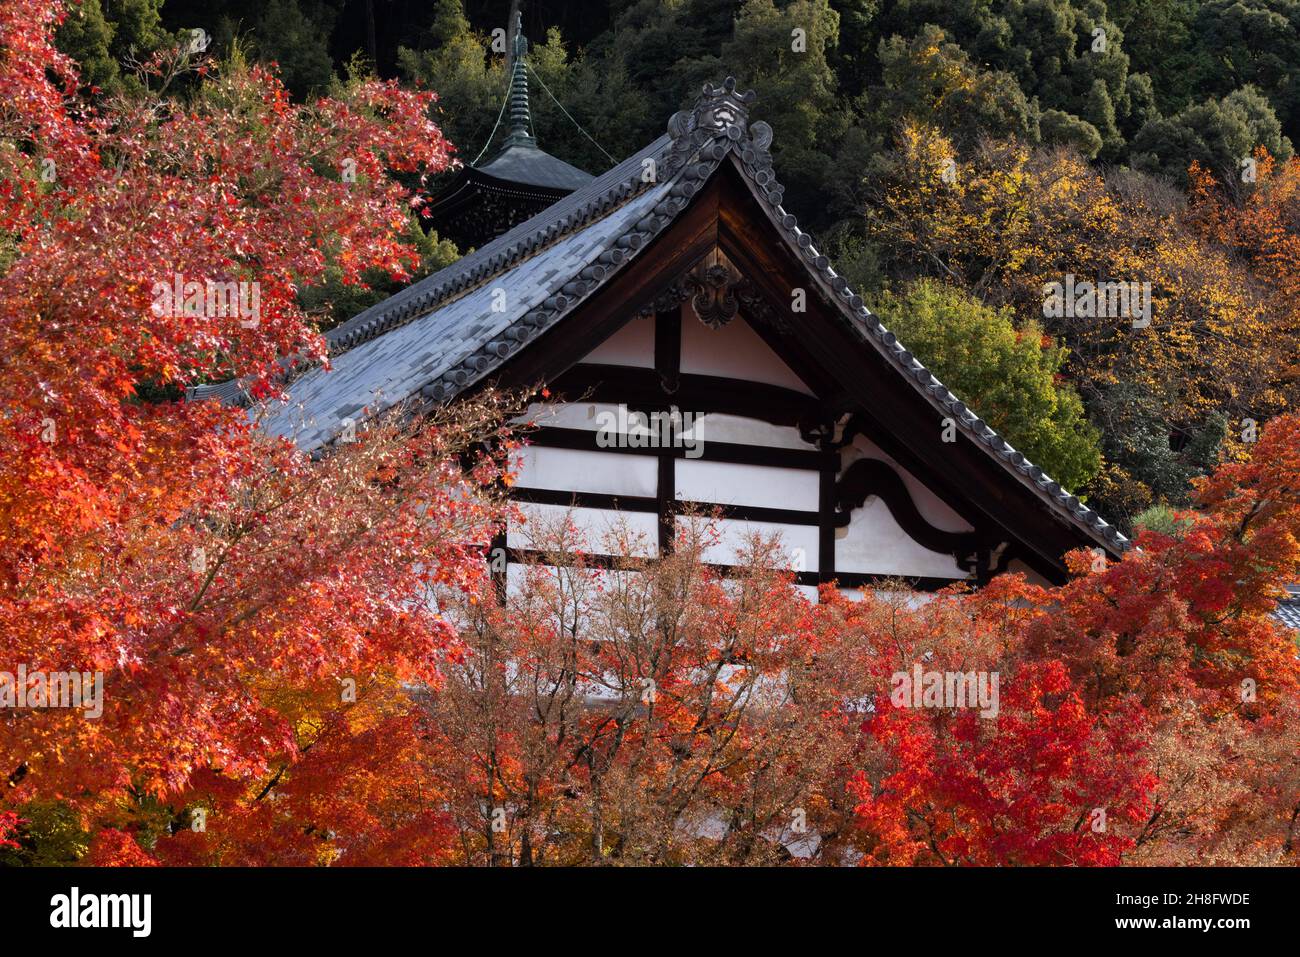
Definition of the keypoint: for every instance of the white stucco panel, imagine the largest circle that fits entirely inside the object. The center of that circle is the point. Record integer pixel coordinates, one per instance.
(575, 470)
(595, 525)
(740, 430)
(874, 543)
(727, 483)
(632, 345)
(798, 541)
(735, 351)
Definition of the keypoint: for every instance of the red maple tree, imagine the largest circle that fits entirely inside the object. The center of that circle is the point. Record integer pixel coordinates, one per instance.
(256, 617)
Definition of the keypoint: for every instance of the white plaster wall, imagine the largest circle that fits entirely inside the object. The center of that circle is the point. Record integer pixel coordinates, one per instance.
(735, 351)
(727, 483)
(594, 524)
(741, 430)
(609, 578)
(574, 470)
(632, 345)
(735, 533)
(874, 543)
(913, 600)
(568, 415)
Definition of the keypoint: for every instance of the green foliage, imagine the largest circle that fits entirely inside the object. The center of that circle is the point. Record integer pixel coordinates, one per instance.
(1160, 40)
(51, 837)
(295, 35)
(931, 79)
(1162, 519)
(851, 58)
(1065, 129)
(1008, 375)
(1062, 55)
(1255, 42)
(106, 36)
(333, 301)
(456, 63)
(783, 54)
(1151, 465)
(1218, 134)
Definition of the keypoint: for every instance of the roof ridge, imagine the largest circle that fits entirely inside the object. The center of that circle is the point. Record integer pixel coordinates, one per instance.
(521, 243)
(459, 286)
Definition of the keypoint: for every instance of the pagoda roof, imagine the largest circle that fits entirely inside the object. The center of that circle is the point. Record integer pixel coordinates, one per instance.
(520, 179)
(530, 166)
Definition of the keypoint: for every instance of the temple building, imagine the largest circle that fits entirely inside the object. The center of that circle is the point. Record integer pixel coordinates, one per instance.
(678, 288)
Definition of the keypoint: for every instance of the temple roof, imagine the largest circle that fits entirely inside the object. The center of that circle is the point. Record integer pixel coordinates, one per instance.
(1288, 609)
(455, 328)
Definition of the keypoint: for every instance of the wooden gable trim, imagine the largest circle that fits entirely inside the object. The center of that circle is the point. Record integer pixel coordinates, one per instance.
(690, 237)
(867, 478)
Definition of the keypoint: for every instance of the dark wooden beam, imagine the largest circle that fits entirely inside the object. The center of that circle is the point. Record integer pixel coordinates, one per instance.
(668, 365)
(826, 508)
(667, 511)
(521, 556)
(871, 477)
(710, 451)
(642, 388)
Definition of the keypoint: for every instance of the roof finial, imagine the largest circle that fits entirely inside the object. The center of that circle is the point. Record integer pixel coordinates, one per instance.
(520, 119)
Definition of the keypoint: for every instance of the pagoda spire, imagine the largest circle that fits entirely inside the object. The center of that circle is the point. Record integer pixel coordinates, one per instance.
(520, 118)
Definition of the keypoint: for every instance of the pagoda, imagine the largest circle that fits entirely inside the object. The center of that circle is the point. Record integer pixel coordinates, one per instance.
(515, 183)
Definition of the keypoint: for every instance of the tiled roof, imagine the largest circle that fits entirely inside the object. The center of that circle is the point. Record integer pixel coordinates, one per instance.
(534, 167)
(1288, 609)
(602, 196)
(441, 335)
(455, 342)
